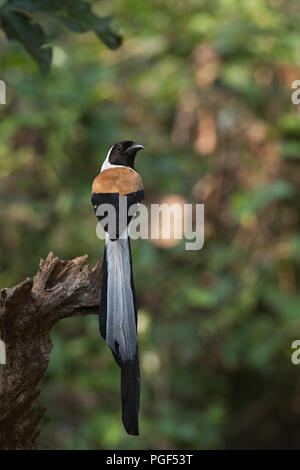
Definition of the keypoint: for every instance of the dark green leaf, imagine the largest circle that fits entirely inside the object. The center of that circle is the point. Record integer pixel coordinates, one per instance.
(74, 14)
(19, 26)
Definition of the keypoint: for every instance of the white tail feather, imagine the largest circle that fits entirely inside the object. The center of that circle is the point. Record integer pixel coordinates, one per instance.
(120, 321)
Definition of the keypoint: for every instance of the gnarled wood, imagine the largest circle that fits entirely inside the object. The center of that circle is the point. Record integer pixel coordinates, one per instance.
(28, 311)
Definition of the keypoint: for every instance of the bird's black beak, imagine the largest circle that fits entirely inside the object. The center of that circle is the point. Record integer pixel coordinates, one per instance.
(134, 148)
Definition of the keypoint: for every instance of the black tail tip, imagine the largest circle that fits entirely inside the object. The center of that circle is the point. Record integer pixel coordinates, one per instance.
(130, 393)
(132, 433)
(132, 428)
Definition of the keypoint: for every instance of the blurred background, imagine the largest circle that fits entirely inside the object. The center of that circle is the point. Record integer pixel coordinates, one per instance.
(205, 86)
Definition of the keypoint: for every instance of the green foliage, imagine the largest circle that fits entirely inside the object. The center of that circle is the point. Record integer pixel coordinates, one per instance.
(18, 23)
(254, 201)
(18, 26)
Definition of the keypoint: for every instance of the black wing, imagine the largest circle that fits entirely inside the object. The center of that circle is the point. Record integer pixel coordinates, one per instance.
(112, 210)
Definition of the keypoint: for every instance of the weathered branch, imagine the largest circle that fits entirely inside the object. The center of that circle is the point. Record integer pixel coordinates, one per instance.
(28, 311)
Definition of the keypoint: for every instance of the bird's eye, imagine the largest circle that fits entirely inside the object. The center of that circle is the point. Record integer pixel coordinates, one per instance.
(119, 147)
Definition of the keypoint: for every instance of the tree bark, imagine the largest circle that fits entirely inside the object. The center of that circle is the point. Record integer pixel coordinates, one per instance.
(28, 311)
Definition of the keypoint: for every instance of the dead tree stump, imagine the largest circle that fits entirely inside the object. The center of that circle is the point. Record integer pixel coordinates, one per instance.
(28, 311)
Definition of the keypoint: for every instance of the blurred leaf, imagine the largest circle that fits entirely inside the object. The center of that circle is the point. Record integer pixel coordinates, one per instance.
(291, 149)
(255, 200)
(20, 27)
(75, 14)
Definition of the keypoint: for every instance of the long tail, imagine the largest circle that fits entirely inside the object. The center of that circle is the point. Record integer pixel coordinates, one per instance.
(118, 325)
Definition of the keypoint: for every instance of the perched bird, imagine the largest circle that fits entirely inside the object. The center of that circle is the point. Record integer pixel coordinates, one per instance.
(119, 183)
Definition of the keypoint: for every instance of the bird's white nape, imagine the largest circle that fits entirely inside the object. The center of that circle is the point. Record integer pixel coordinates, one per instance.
(106, 165)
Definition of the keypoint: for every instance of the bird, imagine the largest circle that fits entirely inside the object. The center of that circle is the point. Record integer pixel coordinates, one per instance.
(117, 183)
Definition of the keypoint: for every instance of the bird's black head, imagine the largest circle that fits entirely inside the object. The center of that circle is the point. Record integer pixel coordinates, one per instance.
(123, 153)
